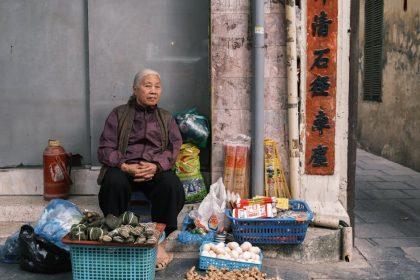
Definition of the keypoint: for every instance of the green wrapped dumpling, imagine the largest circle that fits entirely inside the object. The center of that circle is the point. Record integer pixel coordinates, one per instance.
(94, 233)
(112, 222)
(78, 233)
(129, 218)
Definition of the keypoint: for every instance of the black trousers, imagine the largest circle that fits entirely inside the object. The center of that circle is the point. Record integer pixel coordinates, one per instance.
(165, 192)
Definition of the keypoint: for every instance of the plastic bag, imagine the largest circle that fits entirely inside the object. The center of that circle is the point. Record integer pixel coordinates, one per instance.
(211, 212)
(40, 255)
(194, 127)
(187, 167)
(236, 166)
(10, 252)
(187, 237)
(56, 221)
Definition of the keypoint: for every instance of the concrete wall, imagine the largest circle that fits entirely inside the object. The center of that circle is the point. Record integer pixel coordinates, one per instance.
(231, 49)
(391, 128)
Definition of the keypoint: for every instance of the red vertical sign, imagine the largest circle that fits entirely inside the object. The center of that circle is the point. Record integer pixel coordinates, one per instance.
(321, 84)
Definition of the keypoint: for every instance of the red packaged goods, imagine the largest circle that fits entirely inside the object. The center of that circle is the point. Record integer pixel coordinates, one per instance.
(256, 200)
(254, 211)
(230, 153)
(236, 165)
(241, 179)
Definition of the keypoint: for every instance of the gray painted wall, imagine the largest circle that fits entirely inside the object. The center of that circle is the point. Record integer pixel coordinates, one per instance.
(128, 35)
(42, 79)
(65, 64)
(391, 128)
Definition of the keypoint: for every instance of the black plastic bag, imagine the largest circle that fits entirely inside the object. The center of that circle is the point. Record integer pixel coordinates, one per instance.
(40, 255)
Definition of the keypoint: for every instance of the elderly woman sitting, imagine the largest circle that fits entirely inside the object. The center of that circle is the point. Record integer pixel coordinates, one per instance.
(138, 147)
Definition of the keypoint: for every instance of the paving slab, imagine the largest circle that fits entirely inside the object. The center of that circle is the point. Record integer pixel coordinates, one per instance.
(397, 242)
(398, 216)
(372, 251)
(400, 171)
(415, 182)
(412, 252)
(398, 269)
(381, 230)
(388, 194)
(413, 193)
(367, 178)
(396, 185)
(414, 204)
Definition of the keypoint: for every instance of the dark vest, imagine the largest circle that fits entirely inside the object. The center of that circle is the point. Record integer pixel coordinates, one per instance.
(125, 115)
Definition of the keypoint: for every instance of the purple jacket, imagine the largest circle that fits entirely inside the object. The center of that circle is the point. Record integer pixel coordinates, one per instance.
(144, 142)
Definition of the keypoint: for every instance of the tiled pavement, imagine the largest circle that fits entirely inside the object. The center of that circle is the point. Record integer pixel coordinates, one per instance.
(387, 227)
(387, 232)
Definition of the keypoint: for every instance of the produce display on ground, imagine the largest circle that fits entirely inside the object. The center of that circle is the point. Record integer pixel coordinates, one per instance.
(223, 274)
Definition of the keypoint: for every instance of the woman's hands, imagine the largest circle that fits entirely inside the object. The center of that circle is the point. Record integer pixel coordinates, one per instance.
(142, 171)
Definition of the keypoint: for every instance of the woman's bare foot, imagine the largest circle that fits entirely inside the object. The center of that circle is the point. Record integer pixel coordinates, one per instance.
(163, 257)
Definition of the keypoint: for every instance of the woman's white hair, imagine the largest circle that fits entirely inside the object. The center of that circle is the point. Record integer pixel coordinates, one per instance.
(142, 74)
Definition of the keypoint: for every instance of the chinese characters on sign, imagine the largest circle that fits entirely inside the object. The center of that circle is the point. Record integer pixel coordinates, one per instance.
(321, 82)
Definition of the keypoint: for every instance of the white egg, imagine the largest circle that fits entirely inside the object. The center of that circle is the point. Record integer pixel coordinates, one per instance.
(206, 247)
(239, 250)
(212, 254)
(219, 250)
(256, 257)
(246, 246)
(205, 254)
(227, 250)
(233, 245)
(221, 256)
(255, 250)
(246, 255)
(234, 254)
(221, 245)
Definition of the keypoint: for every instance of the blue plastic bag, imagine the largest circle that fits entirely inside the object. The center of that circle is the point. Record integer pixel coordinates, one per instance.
(56, 221)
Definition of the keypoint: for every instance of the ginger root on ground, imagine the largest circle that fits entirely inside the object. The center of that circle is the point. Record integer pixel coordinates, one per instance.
(223, 274)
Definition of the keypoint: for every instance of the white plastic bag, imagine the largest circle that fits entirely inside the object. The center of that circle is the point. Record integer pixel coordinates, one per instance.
(211, 212)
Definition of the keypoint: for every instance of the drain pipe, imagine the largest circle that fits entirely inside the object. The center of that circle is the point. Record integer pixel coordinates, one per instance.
(258, 99)
(292, 98)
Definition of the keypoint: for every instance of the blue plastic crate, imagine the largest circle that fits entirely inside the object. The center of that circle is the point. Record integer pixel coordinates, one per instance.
(272, 230)
(108, 262)
(205, 262)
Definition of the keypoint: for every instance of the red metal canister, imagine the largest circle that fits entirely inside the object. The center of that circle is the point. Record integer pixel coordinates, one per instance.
(56, 171)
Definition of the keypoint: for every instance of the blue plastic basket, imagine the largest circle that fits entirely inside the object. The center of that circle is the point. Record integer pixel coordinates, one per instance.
(272, 230)
(106, 262)
(94, 260)
(205, 262)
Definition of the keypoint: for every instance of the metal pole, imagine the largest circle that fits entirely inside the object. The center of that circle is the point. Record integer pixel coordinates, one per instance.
(292, 98)
(258, 99)
(353, 94)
